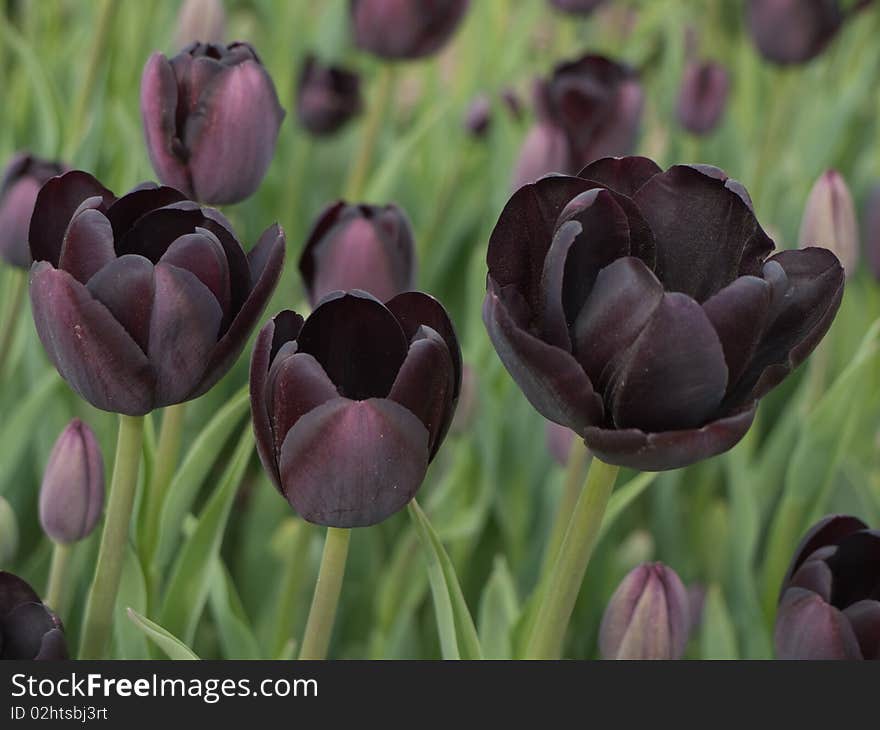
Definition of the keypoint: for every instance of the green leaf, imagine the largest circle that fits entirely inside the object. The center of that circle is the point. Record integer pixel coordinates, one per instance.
(190, 582)
(458, 635)
(173, 647)
(236, 635)
(499, 611)
(623, 497)
(129, 641)
(717, 637)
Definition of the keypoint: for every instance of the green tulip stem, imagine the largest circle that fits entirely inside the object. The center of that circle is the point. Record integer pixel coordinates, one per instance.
(574, 480)
(101, 602)
(327, 589)
(357, 178)
(568, 571)
(55, 593)
(292, 583)
(12, 314)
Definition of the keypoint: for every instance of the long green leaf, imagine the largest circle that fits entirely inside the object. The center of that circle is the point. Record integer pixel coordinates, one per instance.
(236, 635)
(499, 610)
(164, 639)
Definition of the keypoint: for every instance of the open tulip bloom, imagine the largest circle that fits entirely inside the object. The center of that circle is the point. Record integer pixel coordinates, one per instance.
(28, 628)
(643, 309)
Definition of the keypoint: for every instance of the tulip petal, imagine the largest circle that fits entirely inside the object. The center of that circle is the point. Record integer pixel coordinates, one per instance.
(201, 254)
(550, 378)
(544, 151)
(624, 175)
(674, 375)
(809, 628)
(828, 531)
(53, 647)
(184, 326)
(23, 630)
(353, 463)
(636, 449)
(87, 246)
(739, 313)
(14, 591)
(91, 350)
(126, 211)
(864, 617)
(856, 568)
(815, 576)
(705, 234)
(154, 232)
(55, 206)
(125, 287)
(622, 302)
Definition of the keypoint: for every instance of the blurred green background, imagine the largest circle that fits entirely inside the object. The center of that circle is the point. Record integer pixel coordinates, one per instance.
(70, 73)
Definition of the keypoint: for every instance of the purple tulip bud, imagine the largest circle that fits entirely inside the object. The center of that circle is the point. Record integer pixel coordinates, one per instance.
(405, 29)
(576, 7)
(146, 300)
(559, 441)
(703, 96)
(365, 247)
(28, 629)
(200, 20)
(72, 493)
(792, 31)
(479, 116)
(872, 230)
(648, 617)
(22, 180)
(327, 97)
(830, 220)
(211, 119)
(829, 605)
(350, 405)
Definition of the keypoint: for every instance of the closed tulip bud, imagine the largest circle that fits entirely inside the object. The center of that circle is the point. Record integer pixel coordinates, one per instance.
(703, 96)
(22, 180)
(200, 20)
(479, 116)
(72, 492)
(8, 533)
(327, 97)
(648, 617)
(830, 220)
(872, 230)
(405, 29)
(366, 247)
(576, 7)
(28, 628)
(559, 440)
(211, 119)
(792, 31)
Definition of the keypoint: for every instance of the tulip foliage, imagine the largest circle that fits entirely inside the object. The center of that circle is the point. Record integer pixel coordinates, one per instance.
(532, 329)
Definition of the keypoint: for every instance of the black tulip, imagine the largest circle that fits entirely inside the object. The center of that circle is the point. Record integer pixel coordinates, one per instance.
(327, 97)
(792, 31)
(703, 96)
(28, 628)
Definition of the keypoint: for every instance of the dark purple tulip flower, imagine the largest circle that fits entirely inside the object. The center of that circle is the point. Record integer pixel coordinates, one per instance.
(792, 31)
(366, 247)
(22, 180)
(211, 119)
(643, 310)
(327, 97)
(28, 629)
(146, 300)
(405, 29)
(587, 109)
(576, 7)
(350, 406)
(829, 607)
(72, 491)
(872, 230)
(703, 96)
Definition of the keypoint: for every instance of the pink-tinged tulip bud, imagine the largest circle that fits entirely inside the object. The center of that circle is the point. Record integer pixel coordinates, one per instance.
(703, 96)
(211, 119)
(648, 617)
(479, 116)
(366, 247)
(576, 7)
(829, 220)
(327, 97)
(872, 230)
(200, 20)
(72, 493)
(22, 180)
(792, 31)
(559, 440)
(405, 29)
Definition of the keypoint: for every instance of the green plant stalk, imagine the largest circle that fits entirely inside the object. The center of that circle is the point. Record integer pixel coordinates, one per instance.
(98, 620)
(568, 572)
(574, 479)
(9, 325)
(292, 583)
(55, 593)
(357, 178)
(322, 614)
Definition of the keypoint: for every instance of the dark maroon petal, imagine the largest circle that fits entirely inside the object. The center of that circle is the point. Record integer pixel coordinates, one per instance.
(864, 617)
(739, 314)
(622, 302)
(425, 385)
(14, 591)
(184, 326)
(261, 358)
(635, 449)
(266, 260)
(705, 234)
(793, 31)
(16, 205)
(803, 306)
(702, 96)
(23, 630)
(674, 375)
(856, 568)
(545, 150)
(814, 575)
(154, 232)
(201, 254)
(624, 175)
(88, 245)
(550, 378)
(353, 463)
(323, 224)
(244, 269)
(828, 531)
(809, 628)
(125, 212)
(125, 287)
(358, 342)
(56, 203)
(91, 350)
(53, 647)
